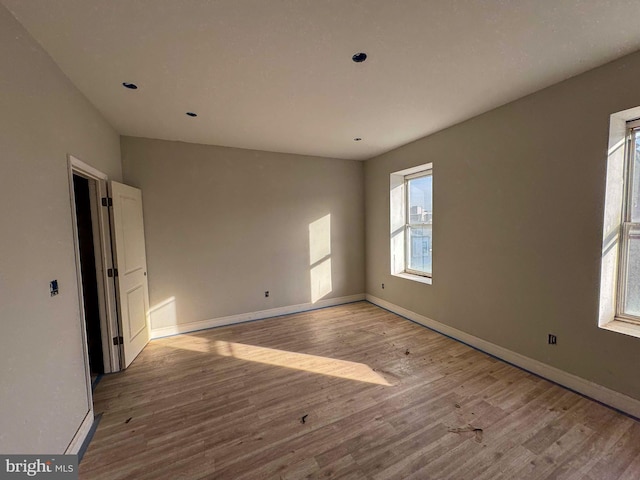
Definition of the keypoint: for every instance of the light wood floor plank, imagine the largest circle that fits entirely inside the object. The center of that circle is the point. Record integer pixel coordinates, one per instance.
(381, 398)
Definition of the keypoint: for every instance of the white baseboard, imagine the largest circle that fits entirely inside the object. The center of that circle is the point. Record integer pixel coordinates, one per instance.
(81, 434)
(595, 391)
(246, 317)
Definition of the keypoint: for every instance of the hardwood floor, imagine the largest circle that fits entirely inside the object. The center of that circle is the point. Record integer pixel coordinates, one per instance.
(346, 392)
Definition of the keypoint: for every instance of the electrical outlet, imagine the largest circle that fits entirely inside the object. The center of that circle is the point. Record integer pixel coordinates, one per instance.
(552, 340)
(383, 286)
(266, 294)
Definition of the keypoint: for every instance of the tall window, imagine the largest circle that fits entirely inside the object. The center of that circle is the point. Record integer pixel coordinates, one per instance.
(629, 270)
(411, 223)
(419, 222)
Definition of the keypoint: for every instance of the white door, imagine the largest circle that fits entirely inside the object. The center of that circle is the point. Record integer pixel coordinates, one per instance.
(131, 264)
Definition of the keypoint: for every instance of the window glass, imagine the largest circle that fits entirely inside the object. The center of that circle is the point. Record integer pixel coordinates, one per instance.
(632, 280)
(419, 224)
(634, 176)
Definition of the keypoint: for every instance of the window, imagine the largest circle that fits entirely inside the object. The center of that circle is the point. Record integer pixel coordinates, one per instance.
(628, 305)
(411, 223)
(419, 214)
(619, 309)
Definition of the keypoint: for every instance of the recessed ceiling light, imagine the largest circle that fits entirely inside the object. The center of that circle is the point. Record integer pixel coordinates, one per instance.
(359, 57)
(191, 114)
(130, 86)
(357, 139)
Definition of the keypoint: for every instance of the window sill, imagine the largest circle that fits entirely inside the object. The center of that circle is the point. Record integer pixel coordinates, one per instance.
(625, 328)
(416, 278)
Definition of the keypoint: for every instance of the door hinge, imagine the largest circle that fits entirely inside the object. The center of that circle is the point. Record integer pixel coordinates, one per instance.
(118, 341)
(107, 202)
(112, 272)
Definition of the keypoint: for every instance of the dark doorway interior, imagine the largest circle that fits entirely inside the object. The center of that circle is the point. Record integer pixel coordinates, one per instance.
(88, 271)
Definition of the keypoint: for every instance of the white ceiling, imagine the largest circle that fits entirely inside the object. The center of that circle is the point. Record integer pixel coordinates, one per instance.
(277, 75)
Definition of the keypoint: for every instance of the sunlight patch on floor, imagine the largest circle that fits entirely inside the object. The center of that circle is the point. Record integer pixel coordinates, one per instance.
(300, 361)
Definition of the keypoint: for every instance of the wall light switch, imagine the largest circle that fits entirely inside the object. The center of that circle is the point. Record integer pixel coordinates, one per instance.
(53, 287)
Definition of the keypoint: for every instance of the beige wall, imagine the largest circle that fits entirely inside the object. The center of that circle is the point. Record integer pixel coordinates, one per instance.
(223, 225)
(518, 201)
(43, 117)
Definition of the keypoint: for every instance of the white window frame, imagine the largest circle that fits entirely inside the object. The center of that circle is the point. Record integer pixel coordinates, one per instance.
(633, 130)
(409, 225)
(398, 223)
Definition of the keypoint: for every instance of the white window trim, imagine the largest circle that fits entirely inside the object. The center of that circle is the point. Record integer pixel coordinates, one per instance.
(397, 222)
(612, 225)
(414, 277)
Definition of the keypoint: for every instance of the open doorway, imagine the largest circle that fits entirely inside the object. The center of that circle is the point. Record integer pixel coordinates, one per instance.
(88, 274)
(94, 263)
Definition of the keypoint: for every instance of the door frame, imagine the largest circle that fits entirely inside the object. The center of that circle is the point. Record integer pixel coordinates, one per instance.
(98, 185)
